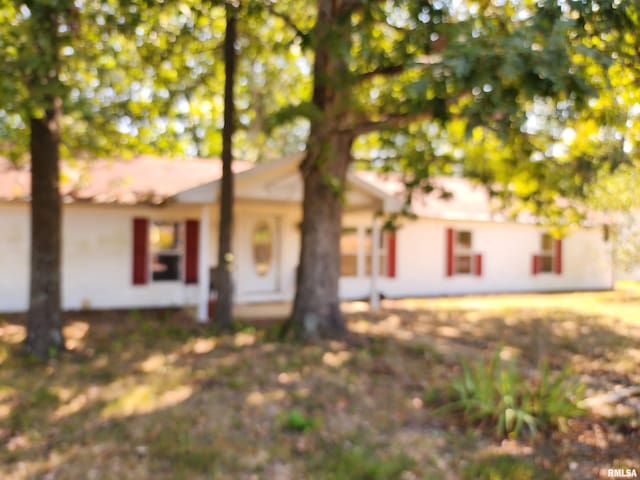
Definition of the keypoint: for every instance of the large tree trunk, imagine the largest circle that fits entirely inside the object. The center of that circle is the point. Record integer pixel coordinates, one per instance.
(44, 330)
(316, 309)
(224, 284)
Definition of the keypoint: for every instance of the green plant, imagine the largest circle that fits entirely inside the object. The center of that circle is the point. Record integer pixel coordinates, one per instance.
(495, 392)
(555, 397)
(297, 421)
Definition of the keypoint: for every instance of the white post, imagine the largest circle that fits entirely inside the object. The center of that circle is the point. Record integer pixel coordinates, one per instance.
(203, 265)
(374, 297)
(361, 260)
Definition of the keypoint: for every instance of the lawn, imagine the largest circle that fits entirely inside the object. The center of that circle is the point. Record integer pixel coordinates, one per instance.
(153, 395)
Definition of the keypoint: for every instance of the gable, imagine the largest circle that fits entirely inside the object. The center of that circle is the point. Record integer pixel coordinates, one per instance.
(278, 181)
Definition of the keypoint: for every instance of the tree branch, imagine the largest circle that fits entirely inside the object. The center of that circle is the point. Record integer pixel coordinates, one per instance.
(386, 70)
(420, 61)
(392, 120)
(287, 20)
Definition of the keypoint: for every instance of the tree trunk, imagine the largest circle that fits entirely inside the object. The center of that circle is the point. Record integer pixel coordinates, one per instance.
(316, 309)
(224, 284)
(44, 324)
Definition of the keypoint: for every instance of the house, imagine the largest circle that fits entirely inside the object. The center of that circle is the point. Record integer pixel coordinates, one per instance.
(143, 233)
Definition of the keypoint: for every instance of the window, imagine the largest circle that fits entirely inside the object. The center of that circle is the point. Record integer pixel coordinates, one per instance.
(262, 248)
(546, 257)
(549, 258)
(165, 242)
(462, 252)
(349, 252)
(382, 252)
(356, 252)
(461, 259)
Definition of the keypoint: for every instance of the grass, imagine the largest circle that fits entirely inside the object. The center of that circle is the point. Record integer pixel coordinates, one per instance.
(505, 467)
(153, 395)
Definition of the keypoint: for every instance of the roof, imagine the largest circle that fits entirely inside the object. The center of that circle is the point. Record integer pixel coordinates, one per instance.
(141, 179)
(467, 200)
(147, 179)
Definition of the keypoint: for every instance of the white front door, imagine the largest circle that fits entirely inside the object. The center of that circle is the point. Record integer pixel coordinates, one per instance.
(259, 255)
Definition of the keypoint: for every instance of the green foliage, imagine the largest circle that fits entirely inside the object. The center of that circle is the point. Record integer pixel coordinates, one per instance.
(297, 421)
(144, 77)
(614, 194)
(496, 393)
(504, 467)
(555, 397)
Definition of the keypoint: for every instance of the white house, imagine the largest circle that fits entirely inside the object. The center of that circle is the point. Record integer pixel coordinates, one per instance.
(143, 233)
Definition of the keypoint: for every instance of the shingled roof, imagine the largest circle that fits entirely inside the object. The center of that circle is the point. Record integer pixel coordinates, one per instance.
(153, 180)
(141, 179)
(465, 200)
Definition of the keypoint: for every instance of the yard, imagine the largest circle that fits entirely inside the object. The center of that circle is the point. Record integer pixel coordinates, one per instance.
(153, 395)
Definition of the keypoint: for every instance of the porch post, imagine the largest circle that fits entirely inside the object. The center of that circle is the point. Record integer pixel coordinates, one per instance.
(374, 296)
(203, 266)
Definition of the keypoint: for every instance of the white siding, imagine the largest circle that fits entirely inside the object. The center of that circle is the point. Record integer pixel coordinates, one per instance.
(14, 257)
(97, 260)
(506, 250)
(97, 257)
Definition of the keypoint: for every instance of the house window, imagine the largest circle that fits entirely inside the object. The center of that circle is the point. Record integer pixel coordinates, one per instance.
(549, 258)
(262, 248)
(166, 245)
(349, 252)
(461, 259)
(546, 256)
(462, 255)
(382, 252)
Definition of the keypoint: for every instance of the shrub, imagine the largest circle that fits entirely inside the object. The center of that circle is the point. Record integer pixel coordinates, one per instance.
(496, 392)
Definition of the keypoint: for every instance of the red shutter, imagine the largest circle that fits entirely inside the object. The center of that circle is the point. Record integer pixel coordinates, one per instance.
(191, 251)
(449, 252)
(478, 265)
(557, 267)
(535, 267)
(140, 249)
(391, 254)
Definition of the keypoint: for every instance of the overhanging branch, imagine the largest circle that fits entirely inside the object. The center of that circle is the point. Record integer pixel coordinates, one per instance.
(382, 71)
(390, 121)
(287, 20)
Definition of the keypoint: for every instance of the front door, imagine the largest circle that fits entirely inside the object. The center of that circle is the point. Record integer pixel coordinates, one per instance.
(261, 263)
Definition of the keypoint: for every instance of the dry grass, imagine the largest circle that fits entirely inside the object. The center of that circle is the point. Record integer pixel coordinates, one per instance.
(155, 396)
